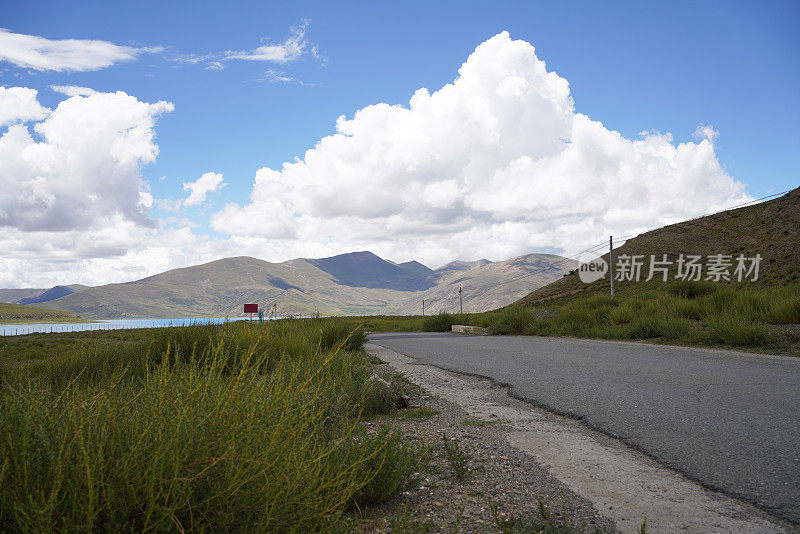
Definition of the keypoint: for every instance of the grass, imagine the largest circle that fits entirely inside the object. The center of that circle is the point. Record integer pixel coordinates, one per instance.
(237, 428)
(19, 314)
(456, 458)
(686, 313)
(681, 313)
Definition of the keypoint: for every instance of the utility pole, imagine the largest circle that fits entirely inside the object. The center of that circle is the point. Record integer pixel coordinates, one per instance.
(460, 301)
(611, 261)
(423, 307)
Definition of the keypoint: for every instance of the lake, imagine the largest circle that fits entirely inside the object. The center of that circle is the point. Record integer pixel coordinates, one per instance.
(110, 324)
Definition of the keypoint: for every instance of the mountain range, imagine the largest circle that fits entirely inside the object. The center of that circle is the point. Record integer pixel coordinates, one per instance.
(357, 283)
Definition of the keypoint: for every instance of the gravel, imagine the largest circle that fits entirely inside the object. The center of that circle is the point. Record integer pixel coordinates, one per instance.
(498, 475)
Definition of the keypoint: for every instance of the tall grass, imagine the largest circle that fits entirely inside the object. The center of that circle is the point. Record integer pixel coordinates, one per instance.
(248, 428)
(686, 312)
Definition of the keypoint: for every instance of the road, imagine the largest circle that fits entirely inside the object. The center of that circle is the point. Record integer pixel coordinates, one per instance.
(730, 420)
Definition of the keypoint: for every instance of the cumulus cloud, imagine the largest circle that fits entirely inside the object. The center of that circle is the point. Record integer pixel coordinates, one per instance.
(83, 167)
(39, 53)
(19, 104)
(207, 183)
(495, 164)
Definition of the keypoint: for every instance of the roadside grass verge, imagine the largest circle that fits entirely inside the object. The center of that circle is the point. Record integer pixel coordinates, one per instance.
(690, 313)
(237, 428)
(687, 313)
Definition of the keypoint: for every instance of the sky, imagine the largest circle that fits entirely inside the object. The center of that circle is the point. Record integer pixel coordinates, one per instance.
(140, 137)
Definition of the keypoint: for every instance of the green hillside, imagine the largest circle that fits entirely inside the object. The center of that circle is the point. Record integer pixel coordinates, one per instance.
(350, 284)
(19, 314)
(771, 229)
(761, 315)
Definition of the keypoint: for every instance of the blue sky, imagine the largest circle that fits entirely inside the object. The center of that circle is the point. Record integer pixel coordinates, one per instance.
(633, 67)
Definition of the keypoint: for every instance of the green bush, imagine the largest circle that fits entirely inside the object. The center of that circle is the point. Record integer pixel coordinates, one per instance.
(441, 322)
(784, 312)
(654, 326)
(624, 314)
(255, 428)
(737, 330)
(513, 320)
(691, 289)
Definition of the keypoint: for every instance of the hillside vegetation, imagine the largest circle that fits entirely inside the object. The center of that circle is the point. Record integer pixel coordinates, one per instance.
(19, 314)
(763, 314)
(771, 229)
(244, 428)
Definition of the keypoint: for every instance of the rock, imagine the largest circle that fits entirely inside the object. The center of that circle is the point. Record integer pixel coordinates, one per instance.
(380, 382)
(401, 401)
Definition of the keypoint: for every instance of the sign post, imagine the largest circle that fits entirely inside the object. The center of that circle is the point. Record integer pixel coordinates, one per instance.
(251, 309)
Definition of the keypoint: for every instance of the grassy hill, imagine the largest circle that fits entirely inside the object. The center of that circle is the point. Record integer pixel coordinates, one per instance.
(19, 314)
(771, 229)
(359, 283)
(762, 315)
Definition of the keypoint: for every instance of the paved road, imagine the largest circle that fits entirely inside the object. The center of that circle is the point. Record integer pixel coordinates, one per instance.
(730, 420)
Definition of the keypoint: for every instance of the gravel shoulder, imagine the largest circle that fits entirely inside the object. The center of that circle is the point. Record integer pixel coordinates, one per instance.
(499, 475)
(521, 454)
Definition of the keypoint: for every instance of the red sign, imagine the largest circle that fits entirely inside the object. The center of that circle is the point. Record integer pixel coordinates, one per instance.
(251, 308)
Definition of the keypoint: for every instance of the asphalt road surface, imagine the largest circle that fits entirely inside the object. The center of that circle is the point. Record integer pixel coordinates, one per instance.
(730, 420)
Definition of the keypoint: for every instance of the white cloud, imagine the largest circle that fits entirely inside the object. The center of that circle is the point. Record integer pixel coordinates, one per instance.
(73, 90)
(207, 183)
(291, 49)
(275, 76)
(39, 53)
(19, 104)
(84, 169)
(497, 163)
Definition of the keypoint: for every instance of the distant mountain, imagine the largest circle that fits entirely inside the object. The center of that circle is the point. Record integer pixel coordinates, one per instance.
(365, 269)
(13, 295)
(53, 293)
(460, 266)
(490, 285)
(358, 283)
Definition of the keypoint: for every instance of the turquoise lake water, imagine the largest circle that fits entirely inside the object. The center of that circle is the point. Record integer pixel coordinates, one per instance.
(110, 324)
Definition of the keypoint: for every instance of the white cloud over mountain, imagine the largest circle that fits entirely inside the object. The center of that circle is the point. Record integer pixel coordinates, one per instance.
(39, 53)
(495, 164)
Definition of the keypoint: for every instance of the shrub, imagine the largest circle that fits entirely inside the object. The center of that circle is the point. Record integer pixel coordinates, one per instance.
(622, 315)
(185, 429)
(441, 322)
(690, 289)
(513, 320)
(784, 312)
(456, 458)
(653, 326)
(730, 329)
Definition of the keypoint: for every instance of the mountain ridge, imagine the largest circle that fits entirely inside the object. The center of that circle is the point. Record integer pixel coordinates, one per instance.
(357, 283)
